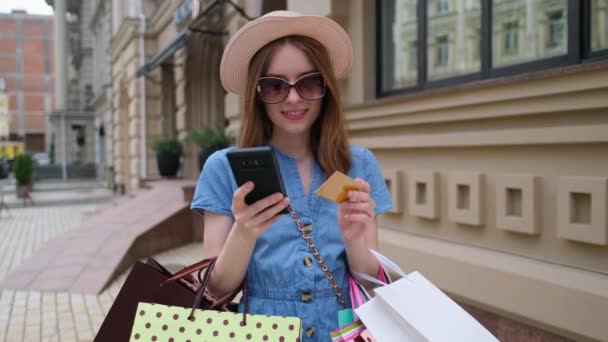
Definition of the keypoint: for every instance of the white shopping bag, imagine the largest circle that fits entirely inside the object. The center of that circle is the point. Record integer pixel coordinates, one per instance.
(413, 309)
(384, 324)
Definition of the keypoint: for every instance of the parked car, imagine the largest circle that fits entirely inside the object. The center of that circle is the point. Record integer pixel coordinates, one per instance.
(41, 159)
(4, 167)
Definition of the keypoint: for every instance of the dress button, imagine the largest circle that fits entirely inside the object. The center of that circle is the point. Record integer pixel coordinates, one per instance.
(310, 332)
(308, 262)
(306, 297)
(307, 228)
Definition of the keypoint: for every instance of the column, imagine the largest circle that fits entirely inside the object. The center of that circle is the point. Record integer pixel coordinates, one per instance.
(60, 40)
(180, 91)
(461, 53)
(181, 106)
(61, 76)
(601, 25)
(531, 28)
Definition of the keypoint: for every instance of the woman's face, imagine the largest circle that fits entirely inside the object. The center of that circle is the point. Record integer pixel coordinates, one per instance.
(295, 115)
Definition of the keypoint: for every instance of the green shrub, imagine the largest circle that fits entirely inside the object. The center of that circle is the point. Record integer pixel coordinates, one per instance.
(169, 145)
(52, 153)
(24, 169)
(207, 138)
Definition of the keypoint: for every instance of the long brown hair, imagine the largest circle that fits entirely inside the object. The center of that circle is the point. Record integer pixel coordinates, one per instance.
(329, 137)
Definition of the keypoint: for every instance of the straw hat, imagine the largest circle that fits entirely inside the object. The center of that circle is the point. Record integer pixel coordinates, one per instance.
(263, 30)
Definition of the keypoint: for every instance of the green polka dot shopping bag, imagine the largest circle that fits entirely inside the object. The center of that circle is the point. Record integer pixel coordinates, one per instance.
(155, 322)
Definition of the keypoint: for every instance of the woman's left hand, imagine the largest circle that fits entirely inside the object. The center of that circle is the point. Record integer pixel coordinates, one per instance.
(356, 215)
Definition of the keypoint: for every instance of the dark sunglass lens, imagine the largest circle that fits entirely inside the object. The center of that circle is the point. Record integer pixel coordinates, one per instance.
(311, 87)
(273, 90)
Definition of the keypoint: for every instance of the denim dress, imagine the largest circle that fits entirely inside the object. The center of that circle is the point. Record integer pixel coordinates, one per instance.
(283, 277)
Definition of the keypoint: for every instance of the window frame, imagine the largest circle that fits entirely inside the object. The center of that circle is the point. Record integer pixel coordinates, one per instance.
(588, 54)
(578, 38)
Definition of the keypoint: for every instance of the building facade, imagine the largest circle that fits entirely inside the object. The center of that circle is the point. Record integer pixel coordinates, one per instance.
(487, 117)
(73, 134)
(26, 65)
(164, 67)
(100, 103)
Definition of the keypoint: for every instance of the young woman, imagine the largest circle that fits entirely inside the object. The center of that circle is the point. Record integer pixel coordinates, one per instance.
(286, 67)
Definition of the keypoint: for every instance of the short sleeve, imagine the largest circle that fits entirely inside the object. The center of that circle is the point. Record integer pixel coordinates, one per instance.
(215, 186)
(375, 178)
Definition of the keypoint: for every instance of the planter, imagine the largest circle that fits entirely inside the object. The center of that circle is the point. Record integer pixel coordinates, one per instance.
(23, 191)
(168, 163)
(205, 153)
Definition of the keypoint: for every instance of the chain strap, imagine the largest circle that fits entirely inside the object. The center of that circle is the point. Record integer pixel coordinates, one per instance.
(315, 252)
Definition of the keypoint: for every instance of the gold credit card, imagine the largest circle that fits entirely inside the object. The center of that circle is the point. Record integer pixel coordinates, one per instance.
(336, 188)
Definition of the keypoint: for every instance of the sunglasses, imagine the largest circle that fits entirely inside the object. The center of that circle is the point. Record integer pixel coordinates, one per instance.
(275, 90)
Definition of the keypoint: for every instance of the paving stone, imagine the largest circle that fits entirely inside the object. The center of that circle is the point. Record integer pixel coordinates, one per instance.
(54, 338)
(68, 335)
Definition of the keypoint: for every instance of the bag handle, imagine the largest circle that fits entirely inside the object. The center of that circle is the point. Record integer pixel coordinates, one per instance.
(207, 265)
(388, 264)
(355, 294)
(385, 264)
(205, 282)
(189, 269)
(318, 257)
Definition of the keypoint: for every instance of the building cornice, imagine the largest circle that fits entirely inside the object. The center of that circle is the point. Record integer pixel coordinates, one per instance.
(128, 30)
(161, 17)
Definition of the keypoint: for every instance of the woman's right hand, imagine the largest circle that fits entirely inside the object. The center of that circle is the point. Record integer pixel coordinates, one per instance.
(253, 220)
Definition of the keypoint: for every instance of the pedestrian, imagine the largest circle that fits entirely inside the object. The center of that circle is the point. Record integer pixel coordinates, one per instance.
(285, 66)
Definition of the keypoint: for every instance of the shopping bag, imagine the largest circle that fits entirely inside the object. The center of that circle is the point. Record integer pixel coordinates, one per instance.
(154, 322)
(201, 321)
(143, 284)
(348, 333)
(355, 330)
(413, 309)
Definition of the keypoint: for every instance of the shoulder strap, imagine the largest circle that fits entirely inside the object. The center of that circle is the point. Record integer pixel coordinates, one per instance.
(315, 252)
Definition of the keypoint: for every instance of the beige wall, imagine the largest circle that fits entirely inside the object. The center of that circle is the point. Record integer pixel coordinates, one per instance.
(533, 146)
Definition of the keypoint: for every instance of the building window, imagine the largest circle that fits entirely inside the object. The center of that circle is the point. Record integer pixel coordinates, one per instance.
(599, 25)
(511, 38)
(398, 35)
(469, 40)
(443, 50)
(556, 29)
(443, 6)
(525, 31)
(452, 40)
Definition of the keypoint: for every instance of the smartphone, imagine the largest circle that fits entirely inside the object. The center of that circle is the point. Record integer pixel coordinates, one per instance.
(257, 164)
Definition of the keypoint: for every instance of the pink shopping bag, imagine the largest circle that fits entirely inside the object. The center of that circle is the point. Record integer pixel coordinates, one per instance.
(355, 331)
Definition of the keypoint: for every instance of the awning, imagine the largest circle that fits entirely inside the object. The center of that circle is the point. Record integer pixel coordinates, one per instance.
(181, 39)
(165, 53)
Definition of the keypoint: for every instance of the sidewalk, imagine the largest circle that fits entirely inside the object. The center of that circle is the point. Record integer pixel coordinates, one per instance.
(60, 316)
(57, 316)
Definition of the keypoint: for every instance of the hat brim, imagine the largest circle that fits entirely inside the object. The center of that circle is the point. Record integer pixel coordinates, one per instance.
(254, 35)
